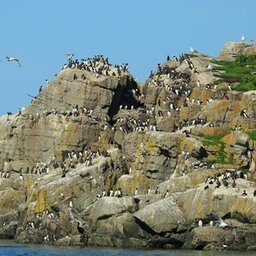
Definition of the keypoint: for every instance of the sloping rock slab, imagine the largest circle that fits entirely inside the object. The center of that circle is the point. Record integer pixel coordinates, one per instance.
(161, 216)
(109, 206)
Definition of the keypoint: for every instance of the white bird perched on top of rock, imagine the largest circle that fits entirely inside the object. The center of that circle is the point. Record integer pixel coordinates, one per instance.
(192, 50)
(209, 66)
(9, 58)
(242, 37)
(69, 55)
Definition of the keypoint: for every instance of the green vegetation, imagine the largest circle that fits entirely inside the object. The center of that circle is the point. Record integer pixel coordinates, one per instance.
(252, 135)
(221, 156)
(231, 158)
(191, 55)
(212, 140)
(242, 70)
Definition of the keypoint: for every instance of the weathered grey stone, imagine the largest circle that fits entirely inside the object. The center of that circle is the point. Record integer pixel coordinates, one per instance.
(161, 216)
(201, 237)
(118, 231)
(154, 153)
(198, 203)
(65, 241)
(233, 49)
(109, 206)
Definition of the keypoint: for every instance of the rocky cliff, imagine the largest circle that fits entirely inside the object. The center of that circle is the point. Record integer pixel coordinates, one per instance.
(97, 159)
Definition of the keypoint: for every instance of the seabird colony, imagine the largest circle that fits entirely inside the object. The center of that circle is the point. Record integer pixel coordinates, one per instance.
(176, 84)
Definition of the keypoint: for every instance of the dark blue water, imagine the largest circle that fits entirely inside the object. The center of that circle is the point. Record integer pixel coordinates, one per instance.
(12, 249)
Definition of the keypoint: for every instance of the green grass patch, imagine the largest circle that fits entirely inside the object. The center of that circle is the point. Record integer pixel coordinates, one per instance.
(212, 140)
(215, 140)
(221, 157)
(192, 55)
(252, 135)
(246, 86)
(242, 70)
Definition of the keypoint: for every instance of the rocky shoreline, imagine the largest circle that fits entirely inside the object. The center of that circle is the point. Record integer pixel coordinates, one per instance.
(97, 159)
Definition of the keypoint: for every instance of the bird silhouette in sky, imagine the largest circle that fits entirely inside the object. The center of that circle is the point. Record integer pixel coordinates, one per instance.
(9, 58)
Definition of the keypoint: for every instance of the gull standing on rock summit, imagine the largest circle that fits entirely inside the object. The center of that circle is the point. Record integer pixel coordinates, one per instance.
(69, 55)
(9, 58)
(192, 50)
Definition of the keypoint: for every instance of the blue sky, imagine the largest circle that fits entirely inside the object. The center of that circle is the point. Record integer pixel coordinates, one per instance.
(140, 32)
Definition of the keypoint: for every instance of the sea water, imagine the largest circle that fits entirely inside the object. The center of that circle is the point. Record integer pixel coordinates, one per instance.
(12, 249)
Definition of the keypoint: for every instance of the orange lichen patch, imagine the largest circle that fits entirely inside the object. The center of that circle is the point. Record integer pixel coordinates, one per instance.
(213, 130)
(234, 110)
(205, 95)
(196, 94)
(220, 106)
(231, 138)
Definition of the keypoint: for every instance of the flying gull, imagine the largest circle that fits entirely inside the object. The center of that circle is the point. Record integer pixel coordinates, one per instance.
(9, 58)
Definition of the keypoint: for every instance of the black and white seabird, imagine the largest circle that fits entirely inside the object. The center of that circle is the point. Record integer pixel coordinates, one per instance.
(9, 58)
(244, 193)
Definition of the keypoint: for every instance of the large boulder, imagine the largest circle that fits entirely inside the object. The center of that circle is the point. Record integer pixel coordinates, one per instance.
(199, 203)
(118, 231)
(233, 49)
(236, 138)
(154, 153)
(191, 180)
(203, 237)
(161, 216)
(109, 206)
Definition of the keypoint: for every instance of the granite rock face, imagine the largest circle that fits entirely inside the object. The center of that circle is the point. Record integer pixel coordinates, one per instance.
(97, 159)
(233, 49)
